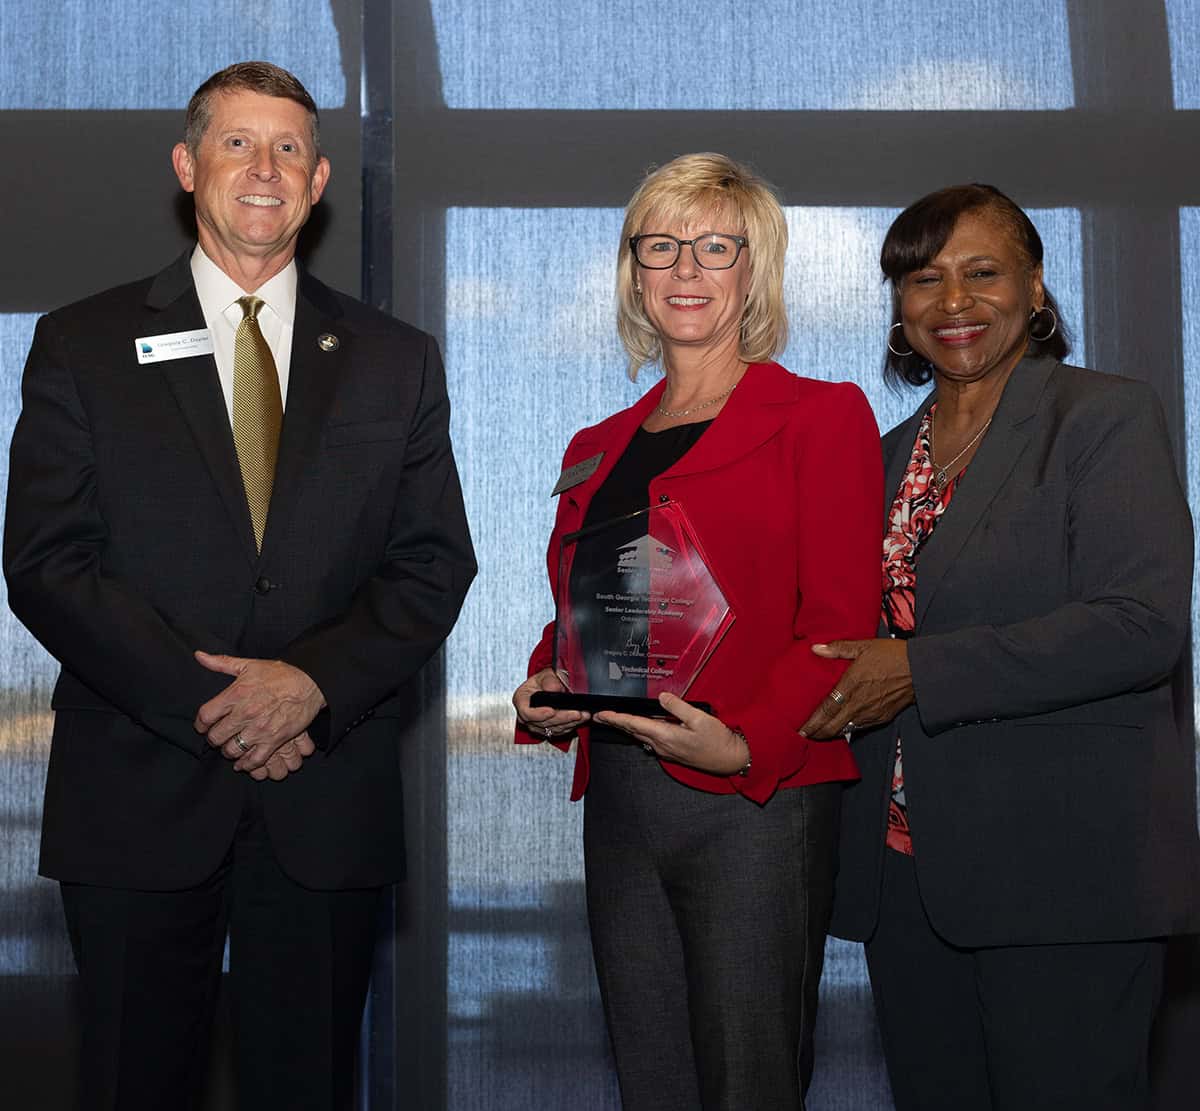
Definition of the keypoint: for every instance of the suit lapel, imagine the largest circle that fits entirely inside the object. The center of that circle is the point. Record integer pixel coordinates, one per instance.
(174, 307)
(994, 460)
(612, 437)
(755, 411)
(312, 381)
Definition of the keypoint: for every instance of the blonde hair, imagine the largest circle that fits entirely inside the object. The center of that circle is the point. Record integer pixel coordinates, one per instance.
(695, 186)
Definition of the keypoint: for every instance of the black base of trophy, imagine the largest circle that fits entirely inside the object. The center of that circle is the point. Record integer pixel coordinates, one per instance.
(617, 703)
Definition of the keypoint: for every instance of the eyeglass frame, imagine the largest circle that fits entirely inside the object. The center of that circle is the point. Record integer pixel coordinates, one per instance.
(741, 241)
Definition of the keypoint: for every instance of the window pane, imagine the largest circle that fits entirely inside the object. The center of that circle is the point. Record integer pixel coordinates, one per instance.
(34, 939)
(145, 54)
(1189, 252)
(532, 356)
(1183, 24)
(776, 54)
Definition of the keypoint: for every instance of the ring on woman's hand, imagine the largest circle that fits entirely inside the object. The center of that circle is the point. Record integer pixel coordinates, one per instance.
(837, 696)
(237, 740)
(648, 746)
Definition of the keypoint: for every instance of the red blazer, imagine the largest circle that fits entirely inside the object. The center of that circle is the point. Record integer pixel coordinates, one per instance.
(783, 491)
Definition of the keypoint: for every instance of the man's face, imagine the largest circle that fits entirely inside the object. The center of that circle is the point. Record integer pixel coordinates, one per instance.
(255, 178)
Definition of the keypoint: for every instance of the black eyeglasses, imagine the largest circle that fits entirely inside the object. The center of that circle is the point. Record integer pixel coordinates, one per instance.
(712, 250)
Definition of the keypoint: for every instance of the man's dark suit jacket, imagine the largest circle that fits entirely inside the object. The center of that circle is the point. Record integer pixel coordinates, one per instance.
(1050, 794)
(128, 544)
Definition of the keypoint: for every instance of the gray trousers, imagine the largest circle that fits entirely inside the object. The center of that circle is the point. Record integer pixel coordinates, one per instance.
(708, 916)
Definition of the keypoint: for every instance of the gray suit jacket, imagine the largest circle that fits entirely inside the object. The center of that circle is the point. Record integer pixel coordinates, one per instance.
(1050, 794)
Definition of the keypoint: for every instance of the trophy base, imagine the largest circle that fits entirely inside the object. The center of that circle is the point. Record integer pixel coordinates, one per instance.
(617, 703)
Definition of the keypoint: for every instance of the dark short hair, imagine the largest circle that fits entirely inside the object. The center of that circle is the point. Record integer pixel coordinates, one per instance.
(923, 229)
(255, 77)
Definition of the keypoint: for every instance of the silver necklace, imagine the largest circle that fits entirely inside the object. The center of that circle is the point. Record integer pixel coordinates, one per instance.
(939, 473)
(672, 413)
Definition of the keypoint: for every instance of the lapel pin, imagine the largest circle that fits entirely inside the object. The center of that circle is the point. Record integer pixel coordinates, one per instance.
(327, 342)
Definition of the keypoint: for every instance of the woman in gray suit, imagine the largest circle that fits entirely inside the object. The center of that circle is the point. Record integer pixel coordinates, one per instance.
(1023, 837)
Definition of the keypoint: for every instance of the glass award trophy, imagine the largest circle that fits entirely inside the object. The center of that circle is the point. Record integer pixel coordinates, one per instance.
(638, 613)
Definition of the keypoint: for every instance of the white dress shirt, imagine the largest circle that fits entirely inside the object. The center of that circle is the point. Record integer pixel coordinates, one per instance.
(219, 294)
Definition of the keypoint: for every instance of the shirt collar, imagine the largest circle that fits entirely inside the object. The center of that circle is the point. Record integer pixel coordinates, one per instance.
(217, 291)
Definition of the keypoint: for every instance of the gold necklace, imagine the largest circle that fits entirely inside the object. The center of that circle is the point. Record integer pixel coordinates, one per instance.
(939, 473)
(672, 413)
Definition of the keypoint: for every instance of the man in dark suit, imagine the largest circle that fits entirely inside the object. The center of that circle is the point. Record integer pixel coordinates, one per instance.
(235, 519)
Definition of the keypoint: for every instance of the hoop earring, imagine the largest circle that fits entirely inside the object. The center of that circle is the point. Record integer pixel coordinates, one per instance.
(637, 288)
(1053, 328)
(898, 354)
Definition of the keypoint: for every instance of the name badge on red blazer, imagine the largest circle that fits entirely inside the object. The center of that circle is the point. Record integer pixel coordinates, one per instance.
(580, 472)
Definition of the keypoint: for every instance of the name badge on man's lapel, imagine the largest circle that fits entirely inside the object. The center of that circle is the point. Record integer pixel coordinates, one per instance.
(173, 345)
(580, 472)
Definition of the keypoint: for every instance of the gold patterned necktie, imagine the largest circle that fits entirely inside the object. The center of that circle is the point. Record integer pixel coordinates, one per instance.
(257, 413)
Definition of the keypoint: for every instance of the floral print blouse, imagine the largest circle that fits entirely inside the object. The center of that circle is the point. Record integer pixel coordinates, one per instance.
(915, 511)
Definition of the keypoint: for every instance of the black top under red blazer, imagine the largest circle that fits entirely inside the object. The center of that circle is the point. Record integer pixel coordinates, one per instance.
(128, 545)
(1050, 794)
(783, 491)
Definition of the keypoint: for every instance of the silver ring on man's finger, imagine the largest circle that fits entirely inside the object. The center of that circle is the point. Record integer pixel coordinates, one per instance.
(648, 746)
(848, 728)
(237, 740)
(837, 696)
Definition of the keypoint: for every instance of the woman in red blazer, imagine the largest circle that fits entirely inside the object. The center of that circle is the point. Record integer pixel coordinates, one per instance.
(710, 838)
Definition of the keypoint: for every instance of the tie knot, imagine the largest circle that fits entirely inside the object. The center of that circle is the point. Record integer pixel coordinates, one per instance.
(250, 307)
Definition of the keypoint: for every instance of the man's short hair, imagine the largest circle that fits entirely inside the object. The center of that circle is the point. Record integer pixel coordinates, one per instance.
(255, 77)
